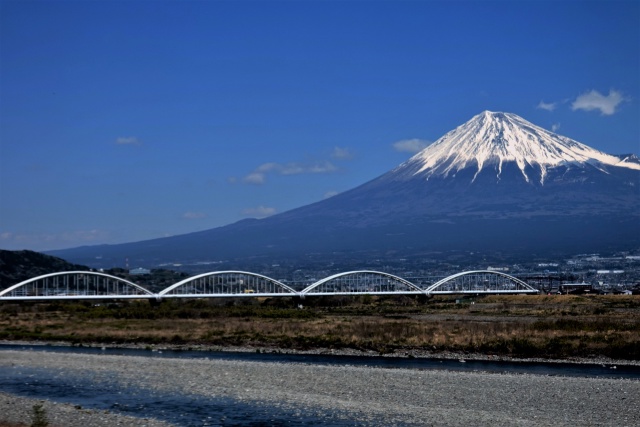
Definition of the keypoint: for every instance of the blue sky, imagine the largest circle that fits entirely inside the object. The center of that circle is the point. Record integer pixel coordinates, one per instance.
(128, 120)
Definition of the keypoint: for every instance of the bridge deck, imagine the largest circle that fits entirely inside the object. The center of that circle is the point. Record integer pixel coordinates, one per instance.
(84, 285)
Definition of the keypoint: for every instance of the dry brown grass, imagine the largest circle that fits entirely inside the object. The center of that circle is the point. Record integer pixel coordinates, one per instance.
(540, 326)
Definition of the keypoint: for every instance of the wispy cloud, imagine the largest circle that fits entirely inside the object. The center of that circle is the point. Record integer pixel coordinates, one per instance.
(299, 168)
(259, 212)
(341, 153)
(194, 215)
(594, 100)
(555, 127)
(411, 145)
(259, 175)
(330, 194)
(256, 178)
(549, 106)
(128, 140)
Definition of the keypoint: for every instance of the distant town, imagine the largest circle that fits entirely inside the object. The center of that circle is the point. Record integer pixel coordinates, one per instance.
(582, 273)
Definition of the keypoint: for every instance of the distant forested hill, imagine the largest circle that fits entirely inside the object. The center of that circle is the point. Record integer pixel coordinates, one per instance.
(17, 266)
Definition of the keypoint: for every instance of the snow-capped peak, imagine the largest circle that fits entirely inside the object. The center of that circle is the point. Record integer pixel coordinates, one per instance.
(493, 138)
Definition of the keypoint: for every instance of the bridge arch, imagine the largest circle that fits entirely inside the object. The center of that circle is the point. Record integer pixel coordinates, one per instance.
(362, 282)
(75, 285)
(480, 281)
(226, 284)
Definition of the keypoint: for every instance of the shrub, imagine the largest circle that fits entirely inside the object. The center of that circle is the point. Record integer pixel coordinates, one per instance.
(39, 417)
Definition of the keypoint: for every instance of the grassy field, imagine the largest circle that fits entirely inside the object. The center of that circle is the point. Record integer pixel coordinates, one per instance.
(558, 326)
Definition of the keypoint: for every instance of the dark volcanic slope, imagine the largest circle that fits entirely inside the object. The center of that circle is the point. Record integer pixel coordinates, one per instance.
(496, 183)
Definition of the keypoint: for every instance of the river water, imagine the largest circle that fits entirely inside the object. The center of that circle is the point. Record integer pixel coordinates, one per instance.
(193, 411)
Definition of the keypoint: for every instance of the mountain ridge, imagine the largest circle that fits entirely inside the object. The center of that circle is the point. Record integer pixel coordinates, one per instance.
(456, 193)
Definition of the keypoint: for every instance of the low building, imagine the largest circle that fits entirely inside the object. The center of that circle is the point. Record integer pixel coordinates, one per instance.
(575, 288)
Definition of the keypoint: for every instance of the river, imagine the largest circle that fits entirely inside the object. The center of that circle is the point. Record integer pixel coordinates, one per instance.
(85, 389)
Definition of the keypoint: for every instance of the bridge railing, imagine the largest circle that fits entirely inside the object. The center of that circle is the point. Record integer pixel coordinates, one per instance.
(77, 285)
(480, 281)
(227, 284)
(362, 282)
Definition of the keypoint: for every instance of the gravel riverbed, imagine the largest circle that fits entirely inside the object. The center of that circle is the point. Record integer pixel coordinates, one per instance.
(369, 396)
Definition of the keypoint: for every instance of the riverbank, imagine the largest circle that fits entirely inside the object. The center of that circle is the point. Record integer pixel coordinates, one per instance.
(561, 327)
(358, 395)
(409, 353)
(17, 411)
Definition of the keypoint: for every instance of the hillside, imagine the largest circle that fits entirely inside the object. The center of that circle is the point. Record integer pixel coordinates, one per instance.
(17, 266)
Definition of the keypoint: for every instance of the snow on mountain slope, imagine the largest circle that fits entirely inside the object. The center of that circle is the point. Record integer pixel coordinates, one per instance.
(629, 159)
(493, 139)
(497, 184)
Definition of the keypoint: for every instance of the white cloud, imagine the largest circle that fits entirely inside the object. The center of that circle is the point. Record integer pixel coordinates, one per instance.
(594, 100)
(330, 194)
(555, 127)
(290, 169)
(550, 106)
(128, 140)
(254, 178)
(267, 167)
(341, 153)
(326, 167)
(259, 174)
(259, 212)
(194, 215)
(411, 145)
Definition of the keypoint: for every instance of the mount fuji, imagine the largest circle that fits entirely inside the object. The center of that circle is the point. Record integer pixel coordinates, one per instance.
(497, 183)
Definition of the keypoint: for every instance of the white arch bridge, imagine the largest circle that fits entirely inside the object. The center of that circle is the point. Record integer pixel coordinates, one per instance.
(89, 285)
